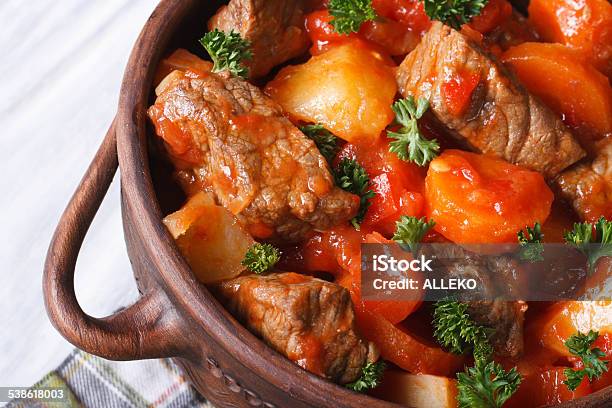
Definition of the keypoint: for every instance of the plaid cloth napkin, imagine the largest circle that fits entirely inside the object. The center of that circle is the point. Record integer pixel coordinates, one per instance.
(90, 381)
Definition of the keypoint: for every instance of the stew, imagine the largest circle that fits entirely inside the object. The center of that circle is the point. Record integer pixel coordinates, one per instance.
(306, 128)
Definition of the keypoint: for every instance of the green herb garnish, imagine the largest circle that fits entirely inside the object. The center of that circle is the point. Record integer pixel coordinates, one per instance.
(453, 13)
(593, 246)
(409, 143)
(455, 330)
(348, 15)
(261, 257)
(352, 177)
(531, 243)
(409, 232)
(326, 142)
(580, 345)
(227, 51)
(371, 374)
(486, 385)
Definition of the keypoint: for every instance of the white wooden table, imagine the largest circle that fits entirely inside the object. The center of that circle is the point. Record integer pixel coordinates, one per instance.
(61, 64)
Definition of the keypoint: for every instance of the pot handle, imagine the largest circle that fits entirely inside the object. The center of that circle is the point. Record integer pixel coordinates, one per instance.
(139, 331)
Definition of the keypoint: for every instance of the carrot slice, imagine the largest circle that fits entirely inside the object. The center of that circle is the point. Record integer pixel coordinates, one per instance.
(568, 84)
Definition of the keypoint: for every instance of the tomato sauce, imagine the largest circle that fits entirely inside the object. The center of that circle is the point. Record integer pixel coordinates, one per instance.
(458, 90)
(396, 35)
(408, 12)
(495, 13)
(179, 141)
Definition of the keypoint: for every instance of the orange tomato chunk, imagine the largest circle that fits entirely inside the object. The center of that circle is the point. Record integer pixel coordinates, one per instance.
(408, 12)
(405, 349)
(546, 388)
(492, 15)
(398, 185)
(567, 83)
(322, 33)
(392, 310)
(582, 24)
(394, 37)
(476, 198)
(338, 251)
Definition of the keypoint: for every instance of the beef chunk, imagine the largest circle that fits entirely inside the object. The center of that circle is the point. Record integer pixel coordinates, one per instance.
(309, 320)
(494, 275)
(588, 186)
(506, 319)
(260, 166)
(500, 117)
(275, 29)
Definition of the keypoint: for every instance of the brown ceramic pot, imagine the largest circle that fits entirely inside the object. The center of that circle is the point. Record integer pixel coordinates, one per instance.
(175, 316)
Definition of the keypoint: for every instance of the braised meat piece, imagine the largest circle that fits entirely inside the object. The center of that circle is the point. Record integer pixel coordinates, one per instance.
(274, 28)
(259, 166)
(309, 320)
(495, 276)
(588, 186)
(473, 95)
(506, 319)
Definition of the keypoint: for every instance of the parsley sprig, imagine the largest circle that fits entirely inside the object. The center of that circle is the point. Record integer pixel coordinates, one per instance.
(409, 143)
(580, 345)
(453, 13)
(227, 51)
(261, 257)
(593, 246)
(371, 374)
(348, 15)
(326, 142)
(352, 177)
(409, 232)
(456, 331)
(486, 385)
(531, 247)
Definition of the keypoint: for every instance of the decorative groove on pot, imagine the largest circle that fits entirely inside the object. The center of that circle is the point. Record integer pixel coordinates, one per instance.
(251, 397)
(213, 366)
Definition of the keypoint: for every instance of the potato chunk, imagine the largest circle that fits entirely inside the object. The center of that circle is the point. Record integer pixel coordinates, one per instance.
(349, 89)
(418, 390)
(210, 238)
(564, 319)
